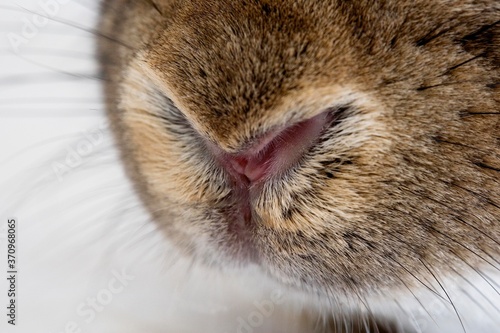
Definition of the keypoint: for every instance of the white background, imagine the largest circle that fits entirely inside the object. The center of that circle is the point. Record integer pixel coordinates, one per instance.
(80, 226)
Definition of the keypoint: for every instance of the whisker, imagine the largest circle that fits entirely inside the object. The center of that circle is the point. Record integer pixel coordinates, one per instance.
(92, 31)
(417, 299)
(459, 219)
(490, 279)
(446, 293)
(477, 290)
(50, 113)
(449, 70)
(42, 143)
(420, 281)
(410, 246)
(47, 51)
(444, 84)
(48, 100)
(60, 71)
(24, 79)
(467, 248)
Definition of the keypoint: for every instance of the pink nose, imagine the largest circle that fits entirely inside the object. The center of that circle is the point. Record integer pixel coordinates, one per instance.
(253, 167)
(277, 151)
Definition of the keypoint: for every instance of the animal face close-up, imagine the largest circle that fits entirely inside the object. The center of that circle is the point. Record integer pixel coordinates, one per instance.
(343, 154)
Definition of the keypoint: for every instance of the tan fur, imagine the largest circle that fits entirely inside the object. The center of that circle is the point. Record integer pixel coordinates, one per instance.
(406, 184)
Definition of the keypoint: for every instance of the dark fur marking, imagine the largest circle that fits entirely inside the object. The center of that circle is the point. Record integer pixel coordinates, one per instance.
(351, 237)
(486, 166)
(433, 34)
(266, 9)
(479, 35)
(465, 114)
(493, 85)
(329, 175)
(423, 88)
(483, 42)
(155, 6)
(288, 213)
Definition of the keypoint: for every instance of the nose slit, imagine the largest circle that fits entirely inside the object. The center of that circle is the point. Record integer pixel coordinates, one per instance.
(252, 166)
(276, 151)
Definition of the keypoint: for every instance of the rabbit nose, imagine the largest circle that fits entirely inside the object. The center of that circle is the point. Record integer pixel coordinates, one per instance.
(253, 167)
(277, 151)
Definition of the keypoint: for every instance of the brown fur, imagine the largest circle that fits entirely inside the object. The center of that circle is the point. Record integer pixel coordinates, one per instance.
(407, 184)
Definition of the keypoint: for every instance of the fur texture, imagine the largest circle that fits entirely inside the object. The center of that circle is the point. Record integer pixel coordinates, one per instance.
(402, 187)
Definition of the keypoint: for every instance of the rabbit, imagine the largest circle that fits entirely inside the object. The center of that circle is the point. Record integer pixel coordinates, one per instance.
(347, 148)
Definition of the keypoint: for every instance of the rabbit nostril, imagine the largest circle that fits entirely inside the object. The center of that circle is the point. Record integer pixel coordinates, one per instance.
(239, 164)
(252, 166)
(277, 151)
